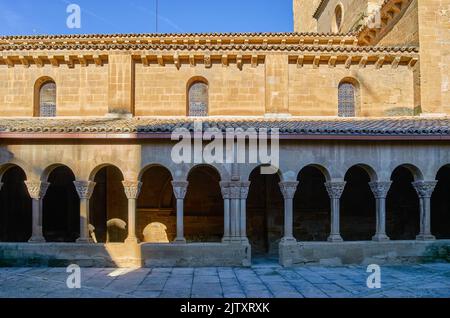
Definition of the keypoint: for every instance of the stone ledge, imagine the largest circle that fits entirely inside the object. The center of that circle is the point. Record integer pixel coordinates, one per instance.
(364, 253)
(124, 255)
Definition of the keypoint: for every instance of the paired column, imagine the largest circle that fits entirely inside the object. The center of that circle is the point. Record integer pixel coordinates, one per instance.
(335, 190)
(425, 189)
(235, 195)
(380, 191)
(288, 189)
(179, 190)
(84, 190)
(224, 186)
(132, 190)
(245, 187)
(37, 191)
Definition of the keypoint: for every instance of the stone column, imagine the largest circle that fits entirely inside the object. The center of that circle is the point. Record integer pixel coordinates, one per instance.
(37, 191)
(335, 190)
(226, 213)
(245, 187)
(132, 189)
(235, 207)
(288, 189)
(84, 190)
(179, 190)
(380, 191)
(1, 185)
(425, 190)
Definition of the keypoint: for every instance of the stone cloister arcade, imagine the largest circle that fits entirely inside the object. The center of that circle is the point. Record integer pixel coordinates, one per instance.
(223, 204)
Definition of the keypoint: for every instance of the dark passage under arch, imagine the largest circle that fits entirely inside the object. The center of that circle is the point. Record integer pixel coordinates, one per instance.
(311, 206)
(265, 213)
(15, 207)
(203, 218)
(156, 213)
(61, 214)
(440, 205)
(358, 216)
(402, 207)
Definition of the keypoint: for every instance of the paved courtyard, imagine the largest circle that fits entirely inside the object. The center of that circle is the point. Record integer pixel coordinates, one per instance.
(260, 281)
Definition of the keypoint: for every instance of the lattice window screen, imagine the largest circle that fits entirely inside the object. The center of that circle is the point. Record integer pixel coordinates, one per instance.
(198, 100)
(47, 100)
(346, 106)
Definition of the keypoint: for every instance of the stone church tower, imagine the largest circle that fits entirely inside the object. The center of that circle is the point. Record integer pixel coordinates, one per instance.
(304, 20)
(419, 23)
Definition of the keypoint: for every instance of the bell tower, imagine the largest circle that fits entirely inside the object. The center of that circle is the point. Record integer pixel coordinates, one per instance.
(303, 15)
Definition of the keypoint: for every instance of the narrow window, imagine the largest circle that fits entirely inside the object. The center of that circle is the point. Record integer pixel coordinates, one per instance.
(47, 99)
(198, 99)
(338, 18)
(347, 100)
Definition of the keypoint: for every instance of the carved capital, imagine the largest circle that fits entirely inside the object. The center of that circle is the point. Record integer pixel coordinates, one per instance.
(225, 188)
(288, 189)
(180, 189)
(235, 190)
(84, 189)
(424, 188)
(37, 189)
(132, 189)
(380, 189)
(245, 187)
(335, 189)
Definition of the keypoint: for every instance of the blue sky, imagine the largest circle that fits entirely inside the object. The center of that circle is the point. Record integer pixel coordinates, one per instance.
(24, 17)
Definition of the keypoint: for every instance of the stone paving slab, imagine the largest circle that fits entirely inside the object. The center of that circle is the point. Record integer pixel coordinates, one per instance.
(261, 281)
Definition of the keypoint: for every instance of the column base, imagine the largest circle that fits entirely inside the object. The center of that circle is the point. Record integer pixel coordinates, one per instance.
(37, 239)
(84, 241)
(180, 240)
(335, 238)
(380, 238)
(131, 240)
(226, 239)
(288, 240)
(425, 237)
(235, 240)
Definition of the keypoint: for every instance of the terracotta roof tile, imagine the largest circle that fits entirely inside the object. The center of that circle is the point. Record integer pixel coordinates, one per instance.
(408, 126)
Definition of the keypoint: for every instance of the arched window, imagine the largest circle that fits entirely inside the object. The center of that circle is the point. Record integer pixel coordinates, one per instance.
(198, 98)
(47, 99)
(347, 100)
(337, 19)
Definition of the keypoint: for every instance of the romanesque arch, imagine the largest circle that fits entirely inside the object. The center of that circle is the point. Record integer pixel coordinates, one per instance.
(402, 204)
(45, 97)
(61, 206)
(358, 205)
(15, 205)
(156, 206)
(265, 212)
(312, 205)
(203, 205)
(108, 215)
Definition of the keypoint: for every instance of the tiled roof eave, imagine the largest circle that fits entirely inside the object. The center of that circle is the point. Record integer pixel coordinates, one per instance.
(171, 35)
(380, 128)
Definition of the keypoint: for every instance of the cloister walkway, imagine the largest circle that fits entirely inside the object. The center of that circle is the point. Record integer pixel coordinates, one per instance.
(264, 280)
